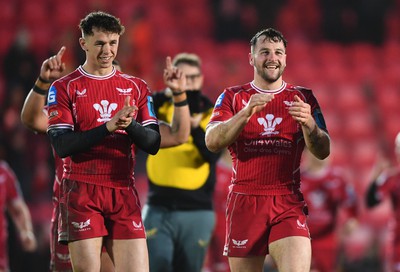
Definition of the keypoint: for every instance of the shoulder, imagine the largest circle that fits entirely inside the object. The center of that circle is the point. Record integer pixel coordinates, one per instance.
(239, 88)
(134, 79)
(296, 88)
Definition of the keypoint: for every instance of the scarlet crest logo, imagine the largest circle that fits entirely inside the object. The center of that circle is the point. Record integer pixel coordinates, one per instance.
(105, 108)
(81, 226)
(269, 123)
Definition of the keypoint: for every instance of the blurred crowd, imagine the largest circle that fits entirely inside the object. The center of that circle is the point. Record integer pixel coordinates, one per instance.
(348, 52)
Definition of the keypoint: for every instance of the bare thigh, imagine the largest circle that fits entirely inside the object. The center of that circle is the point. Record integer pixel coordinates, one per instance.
(247, 264)
(129, 255)
(291, 254)
(85, 254)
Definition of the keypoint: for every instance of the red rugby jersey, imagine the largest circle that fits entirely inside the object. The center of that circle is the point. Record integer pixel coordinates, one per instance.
(388, 186)
(326, 193)
(266, 155)
(9, 191)
(81, 101)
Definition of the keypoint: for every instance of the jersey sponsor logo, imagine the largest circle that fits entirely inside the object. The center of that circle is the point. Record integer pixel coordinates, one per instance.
(150, 106)
(124, 91)
(240, 243)
(105, 108)
(269, 122)
(53, 114)
(216, 113)
(80, 94)
(51, 98)
(81, 226)
(218, 103)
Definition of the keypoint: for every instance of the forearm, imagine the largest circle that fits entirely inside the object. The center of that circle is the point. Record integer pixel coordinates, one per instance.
(21, 217)
(223, 134)
(68, 143)
(179, 130)
(146, 138)
(198, 135)
(317, 141)
(32, 115)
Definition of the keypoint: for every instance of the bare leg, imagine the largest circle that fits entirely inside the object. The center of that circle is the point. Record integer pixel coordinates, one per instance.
(292, 254)
(85, 254)
(130, 255)
(248, 264)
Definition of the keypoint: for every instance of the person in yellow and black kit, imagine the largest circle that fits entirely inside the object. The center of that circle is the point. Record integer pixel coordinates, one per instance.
(178, 216)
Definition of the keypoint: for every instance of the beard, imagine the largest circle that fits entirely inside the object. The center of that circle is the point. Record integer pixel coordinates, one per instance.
(268, 77)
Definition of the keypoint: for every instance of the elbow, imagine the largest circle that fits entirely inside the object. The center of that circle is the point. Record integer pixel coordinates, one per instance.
(182, 139)
(27, 121)
(212, 145)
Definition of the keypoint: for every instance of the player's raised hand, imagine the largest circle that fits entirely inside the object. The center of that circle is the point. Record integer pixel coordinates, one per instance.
(123, 118)
(301, 112)
(53, 67)
(174, 78)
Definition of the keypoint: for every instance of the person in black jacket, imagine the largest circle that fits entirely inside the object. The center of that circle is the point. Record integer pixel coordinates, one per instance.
(179, 217)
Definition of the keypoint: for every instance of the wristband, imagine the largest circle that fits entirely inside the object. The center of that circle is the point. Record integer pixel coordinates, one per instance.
(43, 80)
(181, 104)
(178, 93)
(38, 90)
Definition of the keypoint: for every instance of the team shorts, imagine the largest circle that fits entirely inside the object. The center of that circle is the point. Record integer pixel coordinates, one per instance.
(254, 221)
(88, 211)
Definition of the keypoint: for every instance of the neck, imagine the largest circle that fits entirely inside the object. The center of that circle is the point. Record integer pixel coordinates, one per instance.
(97, 71)
(264, 85)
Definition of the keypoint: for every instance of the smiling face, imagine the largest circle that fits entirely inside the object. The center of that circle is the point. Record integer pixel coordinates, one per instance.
(101, 49)
(268, 58)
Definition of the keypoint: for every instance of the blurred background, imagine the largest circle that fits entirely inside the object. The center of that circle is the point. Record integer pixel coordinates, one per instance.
(346, 51)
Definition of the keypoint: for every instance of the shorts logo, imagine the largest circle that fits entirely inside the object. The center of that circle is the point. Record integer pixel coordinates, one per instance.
(136, 225)
(240, 243)
(202, 243)
(151, 232)
(301, 225)
(81, 226)
(63, 257)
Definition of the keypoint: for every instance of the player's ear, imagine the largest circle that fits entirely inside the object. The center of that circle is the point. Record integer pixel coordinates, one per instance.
(251, 61)
(82, 43)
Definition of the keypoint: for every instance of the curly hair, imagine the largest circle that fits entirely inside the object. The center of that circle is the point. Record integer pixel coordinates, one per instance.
(102, 21)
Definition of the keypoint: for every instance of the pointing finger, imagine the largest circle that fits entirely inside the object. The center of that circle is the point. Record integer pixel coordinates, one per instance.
(127, 101)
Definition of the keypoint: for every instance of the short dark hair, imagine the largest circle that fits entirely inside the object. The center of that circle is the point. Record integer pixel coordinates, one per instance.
(102, 21)
(271, 34)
